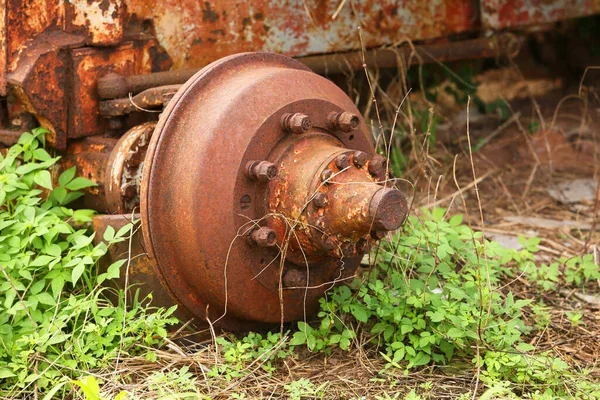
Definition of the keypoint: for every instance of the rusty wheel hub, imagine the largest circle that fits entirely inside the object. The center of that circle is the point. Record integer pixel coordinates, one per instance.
(261, 190)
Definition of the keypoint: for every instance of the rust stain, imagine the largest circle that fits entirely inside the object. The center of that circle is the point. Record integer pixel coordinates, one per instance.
(500, 14)
(138, 56)
(293, 27)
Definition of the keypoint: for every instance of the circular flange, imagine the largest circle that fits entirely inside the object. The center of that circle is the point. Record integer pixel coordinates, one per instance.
(198, 205)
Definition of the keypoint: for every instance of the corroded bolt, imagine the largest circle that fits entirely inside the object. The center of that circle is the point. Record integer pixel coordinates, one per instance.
(264, 237)
(377, 166)
(342, 161)
(128, 190)
(360, 159)
(344, 121)
(262, 171)
(320, 200)
(296, 123)
(363, 246)
(387, 209)
(326, 175)
(294, 278)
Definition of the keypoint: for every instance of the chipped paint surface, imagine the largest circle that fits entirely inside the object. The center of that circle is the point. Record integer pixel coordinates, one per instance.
(100, 20)
(499, 14)
(197, 32)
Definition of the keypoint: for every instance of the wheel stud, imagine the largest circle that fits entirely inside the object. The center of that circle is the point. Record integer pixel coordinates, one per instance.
(344, 121)
(261, 171)
(263, 237)
(342, 161)
(360, 159)
(377, 166)
(296, 123)
(326, 176)
(320, 200)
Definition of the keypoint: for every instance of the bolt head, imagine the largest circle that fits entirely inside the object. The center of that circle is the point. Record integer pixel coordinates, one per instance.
(344, 121)
(262, 171)
(296, 123)
(342, 161)
(377, 167)
(320, 200)
(264, 237)
(360, 159)
(347, 122)
(326, 175)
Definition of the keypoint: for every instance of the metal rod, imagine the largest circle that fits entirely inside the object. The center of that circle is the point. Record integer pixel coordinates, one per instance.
(115, 86)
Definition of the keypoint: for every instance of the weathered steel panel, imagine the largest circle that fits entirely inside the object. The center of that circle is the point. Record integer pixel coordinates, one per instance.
(195, 33)
(100, 20)
(499, 14)
(140, 56)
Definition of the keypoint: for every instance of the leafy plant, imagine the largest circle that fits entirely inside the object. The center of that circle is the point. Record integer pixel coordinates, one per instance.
(252, 348)
(54, 318)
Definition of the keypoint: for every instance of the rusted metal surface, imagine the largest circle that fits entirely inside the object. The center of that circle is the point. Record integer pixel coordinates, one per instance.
(327, 200)
(500, 14)
(113, 86)
(196, 33)
(148, 99)
(124, 169)
(427, 53)
(137, 56)
(232, 234)
(90, 156)
(100, 21)
(40, 82)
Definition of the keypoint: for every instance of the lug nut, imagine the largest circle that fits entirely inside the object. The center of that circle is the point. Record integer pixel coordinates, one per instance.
(264, 237)
(377, 166)
(296, 123)
(294, 278)
(262, 171)
(326, 175)
(342, 161)
(320, 200)
(344, 121)
(360, 159)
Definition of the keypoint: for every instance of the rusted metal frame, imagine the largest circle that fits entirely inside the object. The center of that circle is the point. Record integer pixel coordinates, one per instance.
(424, 53)
(152, 98)
(115, 86)
(500, 14)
